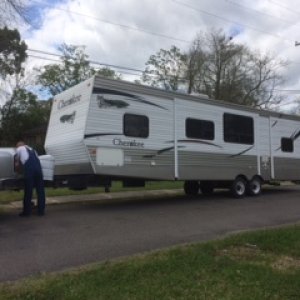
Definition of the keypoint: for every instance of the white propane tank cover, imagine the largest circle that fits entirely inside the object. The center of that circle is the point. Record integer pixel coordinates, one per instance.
(47, 163)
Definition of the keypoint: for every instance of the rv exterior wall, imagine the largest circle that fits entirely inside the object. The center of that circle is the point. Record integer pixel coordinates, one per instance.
(149, 156)
(145, 130)
(66, 128)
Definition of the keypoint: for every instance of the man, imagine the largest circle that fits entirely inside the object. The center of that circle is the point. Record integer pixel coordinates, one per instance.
(33, 177)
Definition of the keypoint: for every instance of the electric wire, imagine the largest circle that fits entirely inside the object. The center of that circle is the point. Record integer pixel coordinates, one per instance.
(230, 21)
(244, 7)
(168, 36)
(181, 79)
(94, 62)
(120, 25)
(117, 66)
(285, 7)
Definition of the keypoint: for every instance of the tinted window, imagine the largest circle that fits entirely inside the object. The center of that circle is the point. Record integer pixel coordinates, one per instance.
(238, 129)
(199, 129)
(287, 145)
(136, 126)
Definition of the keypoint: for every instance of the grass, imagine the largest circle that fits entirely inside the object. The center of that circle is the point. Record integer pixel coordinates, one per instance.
(255, 265)
(10, 196)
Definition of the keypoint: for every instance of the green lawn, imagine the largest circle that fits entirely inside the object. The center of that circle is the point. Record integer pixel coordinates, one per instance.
(256, 265)
(9, 196)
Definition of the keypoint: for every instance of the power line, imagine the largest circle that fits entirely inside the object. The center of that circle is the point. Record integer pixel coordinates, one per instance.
(230, 21)
(258, 12)
(43, 58)
(90, 61)
(122, 25)
(56, 60)
(125, 68)
(285, 7)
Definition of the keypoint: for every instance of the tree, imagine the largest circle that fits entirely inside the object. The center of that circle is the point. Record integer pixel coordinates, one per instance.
(73, 69)
(262, 80)
(219, 67)
(109, 73)
(235, 74)
(12, 55)
(195, 60)
(23, 112)
(12, 52)
(165, 69)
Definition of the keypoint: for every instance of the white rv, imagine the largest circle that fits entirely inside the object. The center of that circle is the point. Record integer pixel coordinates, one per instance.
(115, 129)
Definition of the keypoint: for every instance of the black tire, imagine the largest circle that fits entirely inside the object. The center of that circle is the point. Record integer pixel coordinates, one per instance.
(254, 187)
(238, 187)
(206, 187)
(191, 188)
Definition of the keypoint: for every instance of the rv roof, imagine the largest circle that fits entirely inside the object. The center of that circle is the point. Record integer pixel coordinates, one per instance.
(171, 95)
(199, 95)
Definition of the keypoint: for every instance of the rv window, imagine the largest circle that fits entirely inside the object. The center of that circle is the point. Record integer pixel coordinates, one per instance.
(199, 129)
(136, 126)
(238, 129)
(287, 145)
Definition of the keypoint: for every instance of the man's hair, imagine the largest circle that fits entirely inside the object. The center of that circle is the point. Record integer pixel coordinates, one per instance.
(20, 143)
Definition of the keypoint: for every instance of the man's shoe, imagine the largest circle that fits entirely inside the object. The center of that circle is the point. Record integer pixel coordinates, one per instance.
(22, 214)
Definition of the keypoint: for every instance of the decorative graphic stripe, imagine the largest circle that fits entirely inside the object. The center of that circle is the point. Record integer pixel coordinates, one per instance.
(91, 135)
(161, 152)
(130, 96)
(242, 152)
(197, 142)
(295, 135)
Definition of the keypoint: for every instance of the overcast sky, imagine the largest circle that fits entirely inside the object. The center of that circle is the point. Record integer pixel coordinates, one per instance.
(127, 32)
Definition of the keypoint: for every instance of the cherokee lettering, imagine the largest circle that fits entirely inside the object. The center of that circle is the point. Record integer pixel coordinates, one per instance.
(63, 103)
(134, 143)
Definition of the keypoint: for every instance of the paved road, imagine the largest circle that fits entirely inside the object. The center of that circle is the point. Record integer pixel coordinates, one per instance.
(75, 234)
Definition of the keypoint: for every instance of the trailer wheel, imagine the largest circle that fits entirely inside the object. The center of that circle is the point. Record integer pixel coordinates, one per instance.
(238, 187)
(191, 187)
(254, 187)
(207, 187)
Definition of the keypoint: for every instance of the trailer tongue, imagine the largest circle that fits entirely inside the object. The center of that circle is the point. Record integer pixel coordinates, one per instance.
(10, 178)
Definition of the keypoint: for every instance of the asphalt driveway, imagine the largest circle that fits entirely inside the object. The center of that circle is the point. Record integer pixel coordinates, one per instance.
(76, 234)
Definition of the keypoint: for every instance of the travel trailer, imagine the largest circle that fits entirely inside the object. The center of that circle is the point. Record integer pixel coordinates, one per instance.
(111, 129)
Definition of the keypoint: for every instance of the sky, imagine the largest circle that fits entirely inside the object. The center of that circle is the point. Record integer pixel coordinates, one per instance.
(127, 32)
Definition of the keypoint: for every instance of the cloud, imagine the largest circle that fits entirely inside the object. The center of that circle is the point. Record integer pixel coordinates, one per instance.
(127, 32)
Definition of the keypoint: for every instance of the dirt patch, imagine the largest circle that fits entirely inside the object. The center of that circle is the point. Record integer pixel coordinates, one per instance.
(246, 252)
(284, 263)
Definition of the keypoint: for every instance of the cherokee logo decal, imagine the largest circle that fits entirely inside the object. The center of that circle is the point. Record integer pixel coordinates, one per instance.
(68, 118)
(107, 103)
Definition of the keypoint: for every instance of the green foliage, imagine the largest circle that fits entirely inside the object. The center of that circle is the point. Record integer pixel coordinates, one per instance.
(12, 52)
(165, 69)
(107, 72)
(22, 113)
(73, 69)
(217, 66)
